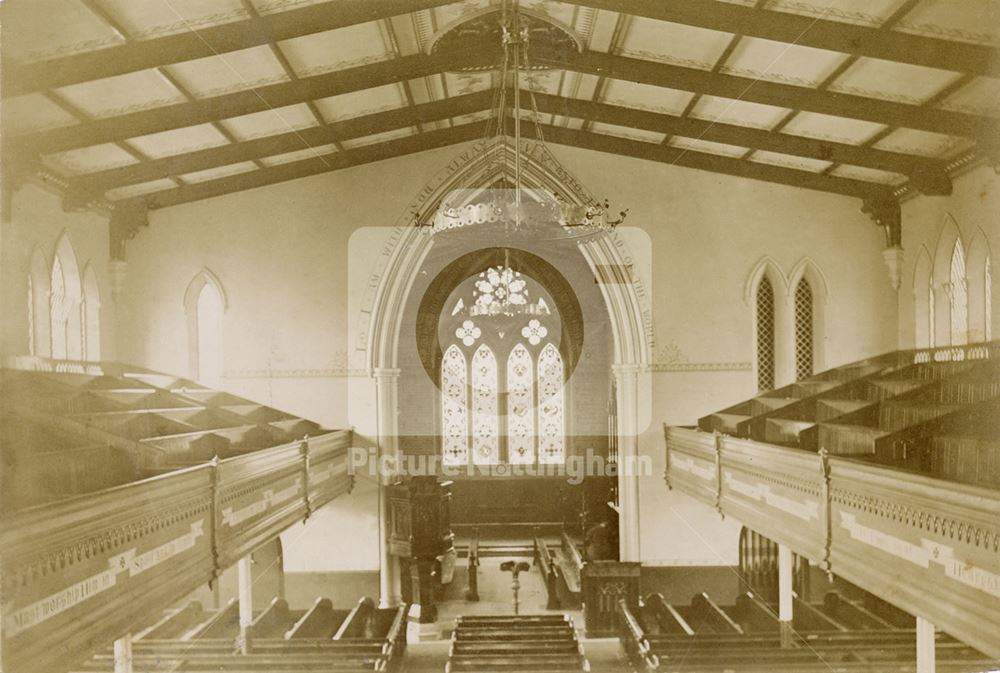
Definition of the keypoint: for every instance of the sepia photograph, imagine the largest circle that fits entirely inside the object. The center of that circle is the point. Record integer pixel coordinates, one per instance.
(499, 336)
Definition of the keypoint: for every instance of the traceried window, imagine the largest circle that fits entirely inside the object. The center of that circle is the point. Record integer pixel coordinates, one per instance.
(502, 376)
(59, 308)
(959, 297)
(765, 335)
(803, 330)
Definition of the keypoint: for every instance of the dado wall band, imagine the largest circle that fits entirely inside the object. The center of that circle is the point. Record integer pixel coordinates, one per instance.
(81, 572)
(928, 546)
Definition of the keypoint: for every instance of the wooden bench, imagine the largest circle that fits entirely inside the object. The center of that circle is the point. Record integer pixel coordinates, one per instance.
(571, 565)
(472, 593)
(547, 565)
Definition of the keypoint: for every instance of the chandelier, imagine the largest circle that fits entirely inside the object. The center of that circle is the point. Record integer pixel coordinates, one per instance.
(508, 204)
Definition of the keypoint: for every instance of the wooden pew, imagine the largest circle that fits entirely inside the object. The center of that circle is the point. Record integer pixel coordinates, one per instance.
(571, 566)
(224, 623)
(547, 565)
(472, 593)
(633, 640)
(175, 622)
(320, 621)
(713, 616)
(359, 621)
(273, 621)
(666, 616)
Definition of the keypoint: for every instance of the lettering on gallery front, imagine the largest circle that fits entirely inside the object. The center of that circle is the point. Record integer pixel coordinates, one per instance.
(127, 562)
(688, 465)
(234, 517)
(763, 493)
(924, 554)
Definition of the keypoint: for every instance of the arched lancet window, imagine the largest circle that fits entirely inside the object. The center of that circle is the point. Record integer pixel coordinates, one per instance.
(803, 330)
(91, 316)
(32, 347)
(988, 302)
(205, 304)
(39, 279)
(765, 335)
(502, 373)
(209, 336)
(59, 310)
(551, 406)
(454, 413)
(931, 315)
(520, 406)
(959, 297)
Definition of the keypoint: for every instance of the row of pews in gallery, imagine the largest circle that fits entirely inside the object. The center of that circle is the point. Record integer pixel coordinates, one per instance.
(935, 412)
(72, 430)
(841, 633)
(521, 643)
(322, 639)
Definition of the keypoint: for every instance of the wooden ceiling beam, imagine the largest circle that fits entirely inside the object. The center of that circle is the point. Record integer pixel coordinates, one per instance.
(225, 106)
(743, 136)
(709, 162)
(248, 150)
(812, 31)
(243, 33)
(307, 167)
(772, 93)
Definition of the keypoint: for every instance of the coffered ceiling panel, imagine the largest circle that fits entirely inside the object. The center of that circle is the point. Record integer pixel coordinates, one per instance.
(781, 62)
(707, 146)
(975, 21)
(644, 96)
(33, 112)
(177, 141)
(87, 159)
(981, 96)
(298, 155)
(900, 82)
(379, 138)
(674, 43)
(271, 122)
(828, 127)
(131, 191)
(910, 141)
(859, 12)
(868, 175)
(49, 28)
(232, 71)
(625, 132)
(336, 49)
(728, 110)
(801, 163)
(220, 172)
(357, 103)
(467, 82)
(122, 94)
(146, 18)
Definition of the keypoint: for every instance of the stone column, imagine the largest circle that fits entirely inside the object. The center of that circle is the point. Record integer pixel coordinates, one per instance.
(387, 414)
(627, 391)
(785, 593)
(123, 654)
(245, 582)
(926, 657)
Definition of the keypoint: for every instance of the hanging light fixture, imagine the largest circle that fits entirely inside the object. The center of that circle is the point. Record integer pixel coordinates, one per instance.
(511, 206)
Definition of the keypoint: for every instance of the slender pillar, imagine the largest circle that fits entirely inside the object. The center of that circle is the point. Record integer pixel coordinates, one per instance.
(123, 654)
(245, 582)
(926, 657)
(785, 593)
(387, 404)
(627, 390)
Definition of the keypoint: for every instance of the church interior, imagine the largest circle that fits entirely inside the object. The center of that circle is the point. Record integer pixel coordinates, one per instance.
(648, 336)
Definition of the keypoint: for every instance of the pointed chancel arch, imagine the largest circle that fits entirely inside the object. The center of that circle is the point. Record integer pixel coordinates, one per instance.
(65, 298)
(923, 303)
(979, 274)
(91, 315)
(204, 305)
(39, 340)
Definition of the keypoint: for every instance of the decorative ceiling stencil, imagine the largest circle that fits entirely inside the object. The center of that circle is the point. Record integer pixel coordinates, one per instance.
(232, 71)
(50, 28)
(860, 12)
(459, 83)
(900, 82)
(122, 94)
(152, 19)
(673, 43)
(828, 127)
(357, 103)
(782, 62)
(336, 49)
(981, 96)
(271, 122)
(973, 21)
(732, 111)
(33, 112)
(646, 97)
(87, 159)
(177, 141)
(801, 163)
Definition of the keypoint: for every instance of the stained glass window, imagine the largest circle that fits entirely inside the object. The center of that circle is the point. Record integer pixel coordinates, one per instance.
(803, 330)
(59, 311)
(765, 335)
(454, 413)
(485, 423)
(959, 297)
(520, 406)
(551, 412)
